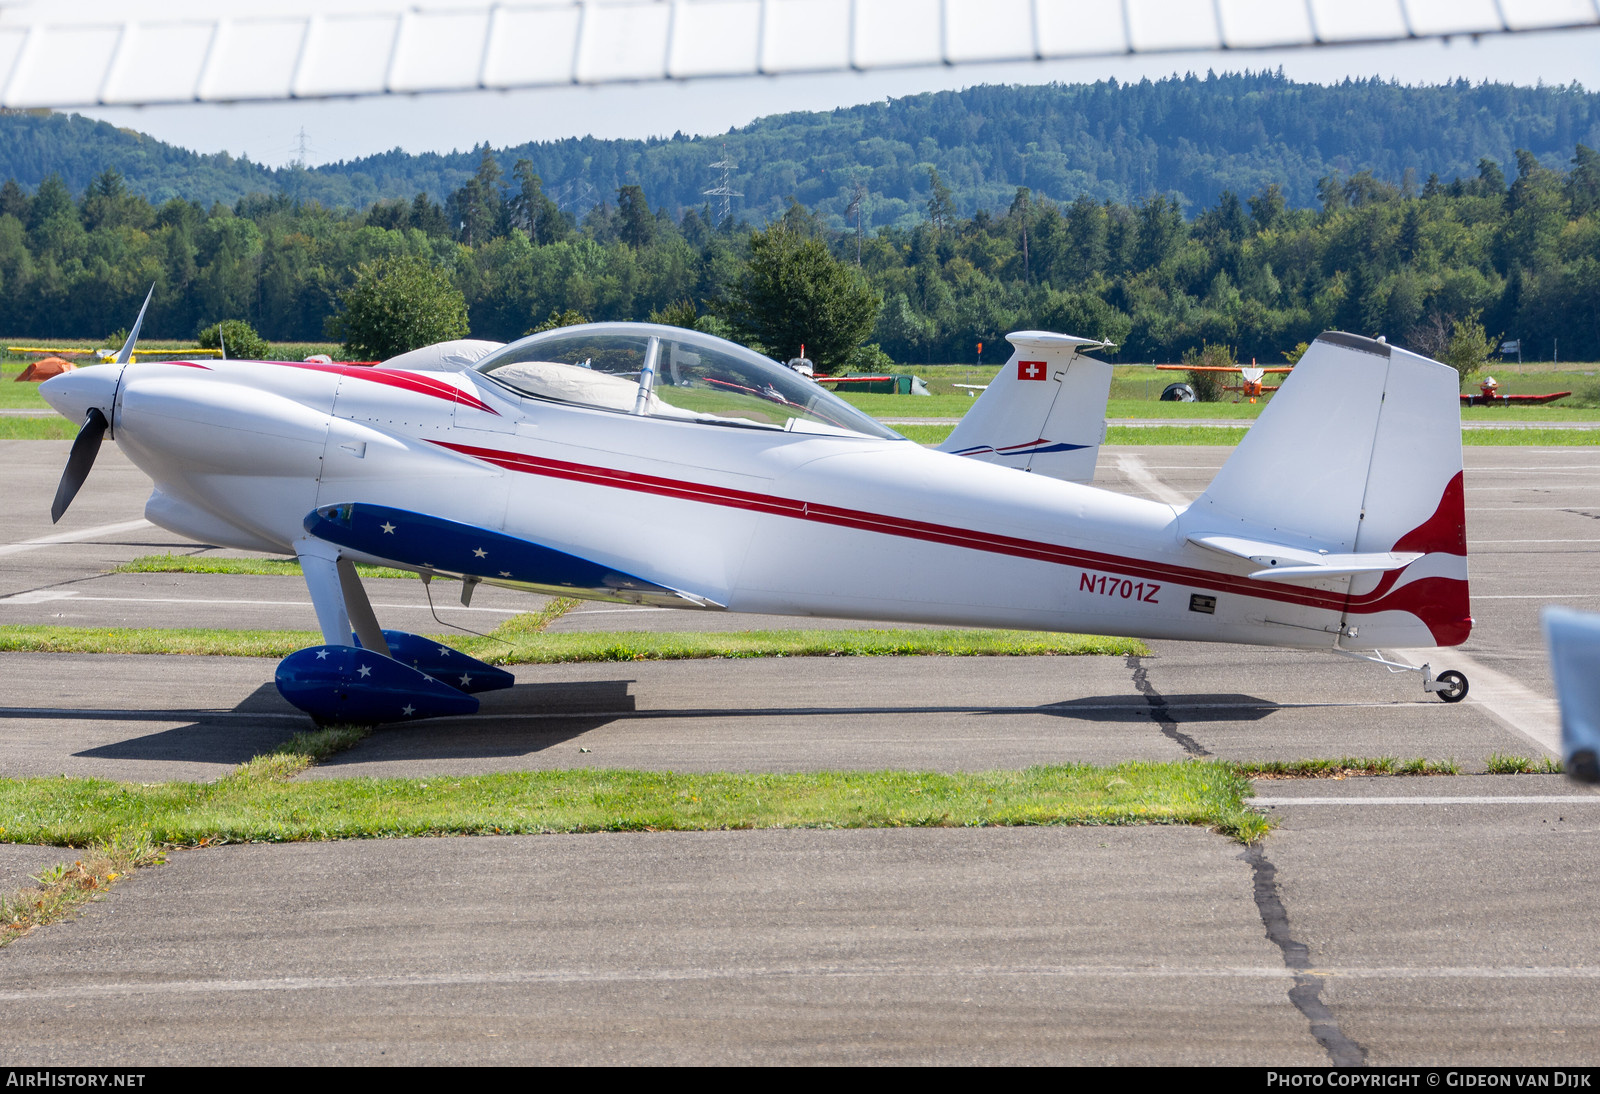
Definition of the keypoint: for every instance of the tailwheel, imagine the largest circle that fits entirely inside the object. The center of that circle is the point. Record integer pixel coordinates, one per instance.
(1451, 686)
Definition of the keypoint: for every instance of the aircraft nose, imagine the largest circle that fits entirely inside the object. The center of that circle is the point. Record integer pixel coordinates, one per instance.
(72, 393)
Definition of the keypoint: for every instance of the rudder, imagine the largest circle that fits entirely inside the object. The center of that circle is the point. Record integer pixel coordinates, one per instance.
(1351, 481)
(1044, 411)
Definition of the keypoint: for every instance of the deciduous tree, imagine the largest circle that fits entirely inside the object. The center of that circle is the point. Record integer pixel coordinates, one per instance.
(794, 291)
(399, 304)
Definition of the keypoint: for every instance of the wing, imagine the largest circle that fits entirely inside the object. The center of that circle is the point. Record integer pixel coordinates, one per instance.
(270, 51)
(440, 546)
(1534, 400)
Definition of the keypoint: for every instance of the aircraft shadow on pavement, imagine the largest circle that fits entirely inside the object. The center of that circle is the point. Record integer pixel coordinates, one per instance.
(561, 712)
(1204, 707)
(533, 717)
(207, 738)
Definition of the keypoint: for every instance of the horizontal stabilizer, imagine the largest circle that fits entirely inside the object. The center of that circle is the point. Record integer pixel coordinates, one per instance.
(440, 546)
(1283, 563)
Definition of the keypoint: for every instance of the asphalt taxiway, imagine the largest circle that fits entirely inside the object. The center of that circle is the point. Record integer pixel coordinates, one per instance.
(1391, 920)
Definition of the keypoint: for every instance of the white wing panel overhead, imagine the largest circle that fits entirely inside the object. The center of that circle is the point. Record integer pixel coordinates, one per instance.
(285, 49)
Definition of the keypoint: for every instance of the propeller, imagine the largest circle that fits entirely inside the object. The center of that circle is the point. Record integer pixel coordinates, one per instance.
(133, 335)
(84, 449)
(86, 446)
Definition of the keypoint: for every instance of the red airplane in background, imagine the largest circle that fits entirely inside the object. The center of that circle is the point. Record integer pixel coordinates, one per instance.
(1250, 384)
(1489, 395)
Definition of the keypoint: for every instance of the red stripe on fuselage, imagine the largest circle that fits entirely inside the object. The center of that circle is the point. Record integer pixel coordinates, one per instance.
(1379, 599)
(406, 381)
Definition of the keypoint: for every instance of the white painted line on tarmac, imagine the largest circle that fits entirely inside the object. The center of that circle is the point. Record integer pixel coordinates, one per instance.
(1481, 542)
(1519, 709)
(79, 536)
(1441, 799)
(1133, 467)
(1527, 508)
(1538, 596)
(907, 970)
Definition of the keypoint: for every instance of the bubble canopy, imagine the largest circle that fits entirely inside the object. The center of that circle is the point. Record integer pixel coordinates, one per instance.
(670, 372)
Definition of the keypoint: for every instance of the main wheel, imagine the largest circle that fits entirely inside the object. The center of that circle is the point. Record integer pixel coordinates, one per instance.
(1453, 687)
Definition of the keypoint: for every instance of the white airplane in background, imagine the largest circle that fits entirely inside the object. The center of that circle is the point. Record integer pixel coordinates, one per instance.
(655, 465)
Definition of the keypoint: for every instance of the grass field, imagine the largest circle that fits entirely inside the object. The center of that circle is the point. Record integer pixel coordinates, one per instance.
(259, 802)
(1136, 390)
(36, 429)
(1132, 397)
(18, 396)
(1226, 436)
(513, 643)
(217, 564)
(113, 829)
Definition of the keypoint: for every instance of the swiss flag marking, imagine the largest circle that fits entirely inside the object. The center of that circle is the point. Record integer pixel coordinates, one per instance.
(1032, 370)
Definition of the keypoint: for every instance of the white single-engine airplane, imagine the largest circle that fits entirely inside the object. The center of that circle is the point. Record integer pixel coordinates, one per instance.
(656, 465)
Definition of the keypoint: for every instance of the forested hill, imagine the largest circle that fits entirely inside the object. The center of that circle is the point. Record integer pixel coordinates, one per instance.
(1186, 138)
(35, 144)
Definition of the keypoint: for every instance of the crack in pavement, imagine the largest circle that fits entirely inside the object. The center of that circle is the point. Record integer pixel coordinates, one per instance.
(1159, 710)
(1306, 994)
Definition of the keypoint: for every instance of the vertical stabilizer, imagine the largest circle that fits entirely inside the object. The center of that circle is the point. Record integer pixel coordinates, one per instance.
(1044, 412)
(1351, 483)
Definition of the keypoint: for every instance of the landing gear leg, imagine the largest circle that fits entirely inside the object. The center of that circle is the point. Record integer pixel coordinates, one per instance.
(354, 677)
(1450, 686)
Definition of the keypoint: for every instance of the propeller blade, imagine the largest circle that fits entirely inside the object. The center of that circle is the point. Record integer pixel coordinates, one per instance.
(84, 449)
(133, 335)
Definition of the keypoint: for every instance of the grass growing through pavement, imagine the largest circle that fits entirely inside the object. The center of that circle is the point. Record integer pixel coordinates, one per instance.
(65, 886)
(110, 854)
(1344, 767)
(1500, 763)
(517, 643)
